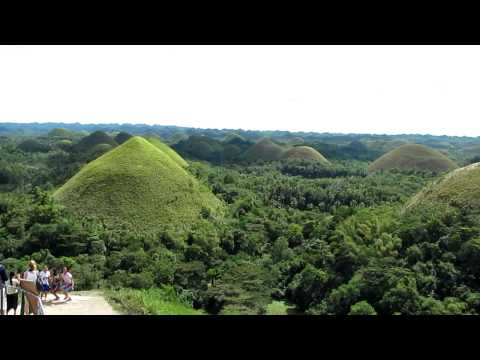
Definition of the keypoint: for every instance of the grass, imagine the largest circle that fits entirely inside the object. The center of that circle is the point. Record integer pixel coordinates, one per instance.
(149, 302)
(304, 153)
(140, 187)
(167, 150)
(413, 157)
(460, 188)
(277, 308)
(265, 149)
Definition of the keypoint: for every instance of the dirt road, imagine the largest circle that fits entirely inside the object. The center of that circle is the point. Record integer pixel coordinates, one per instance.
(82, 303)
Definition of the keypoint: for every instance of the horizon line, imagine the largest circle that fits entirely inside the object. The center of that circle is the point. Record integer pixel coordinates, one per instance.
(237, 129)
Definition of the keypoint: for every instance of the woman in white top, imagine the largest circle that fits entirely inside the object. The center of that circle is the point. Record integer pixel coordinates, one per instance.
(32, 273)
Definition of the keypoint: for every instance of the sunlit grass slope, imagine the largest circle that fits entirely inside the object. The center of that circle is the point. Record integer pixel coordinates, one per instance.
(167, 150)
(459, 188)
(139, 186)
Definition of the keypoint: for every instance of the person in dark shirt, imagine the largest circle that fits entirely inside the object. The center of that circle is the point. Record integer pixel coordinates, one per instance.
(3, 281)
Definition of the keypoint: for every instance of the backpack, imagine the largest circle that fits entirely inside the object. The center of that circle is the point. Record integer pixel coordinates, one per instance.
(38, 283)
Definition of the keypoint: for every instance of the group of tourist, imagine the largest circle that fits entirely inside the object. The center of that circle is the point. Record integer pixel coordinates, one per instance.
(46, 281)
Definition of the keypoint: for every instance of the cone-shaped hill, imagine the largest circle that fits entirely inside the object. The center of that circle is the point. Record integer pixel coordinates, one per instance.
(459, 188)
(413, 157)
(139, 186)
(264, 149)
(95, 138)
(304, 153)
(167, 150)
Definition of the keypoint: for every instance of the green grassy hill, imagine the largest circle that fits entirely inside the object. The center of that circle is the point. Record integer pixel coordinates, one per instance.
(265, 149)
(304, 153)
(139, 186)
(167, 150)
(413, 157)
(61, 133)
(459, 188)
(95, 138)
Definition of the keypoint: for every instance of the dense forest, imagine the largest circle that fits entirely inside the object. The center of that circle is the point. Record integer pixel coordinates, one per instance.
(296, 236)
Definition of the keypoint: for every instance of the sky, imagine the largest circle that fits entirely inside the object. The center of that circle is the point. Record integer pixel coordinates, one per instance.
(342, 89)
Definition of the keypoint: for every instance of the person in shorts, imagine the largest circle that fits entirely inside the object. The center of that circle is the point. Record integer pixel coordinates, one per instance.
(44, 280)
(55, 282)
(68, 283)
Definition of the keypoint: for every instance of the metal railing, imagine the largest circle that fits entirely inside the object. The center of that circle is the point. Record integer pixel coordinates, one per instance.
(22, 292)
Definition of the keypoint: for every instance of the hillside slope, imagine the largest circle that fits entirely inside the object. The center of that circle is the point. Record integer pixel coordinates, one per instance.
(459, 188)
(167, 150)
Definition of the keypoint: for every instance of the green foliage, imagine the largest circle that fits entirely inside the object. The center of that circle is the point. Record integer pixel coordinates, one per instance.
(308, 287)
(296, 236)
(362, 308)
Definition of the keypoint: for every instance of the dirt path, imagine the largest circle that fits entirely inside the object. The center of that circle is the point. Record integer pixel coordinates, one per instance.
(83, 303)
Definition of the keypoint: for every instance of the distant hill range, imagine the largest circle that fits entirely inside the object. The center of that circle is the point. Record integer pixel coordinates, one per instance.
(229, 145)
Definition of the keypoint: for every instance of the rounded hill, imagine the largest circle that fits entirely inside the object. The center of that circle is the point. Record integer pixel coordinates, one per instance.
(304, 153)
(413, 157)
(264, 149)
(459, 188)
(138, 186)
(61, 133)
(155, 141)
(94, 139)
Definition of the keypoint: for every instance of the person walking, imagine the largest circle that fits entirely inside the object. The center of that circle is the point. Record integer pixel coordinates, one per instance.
(32, 273)
(68, 283)
(44, 280)
(12, 293)
(3, 281)
(56, 282)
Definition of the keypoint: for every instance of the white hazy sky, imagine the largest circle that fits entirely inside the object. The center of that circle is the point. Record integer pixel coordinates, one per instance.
(350, 89)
